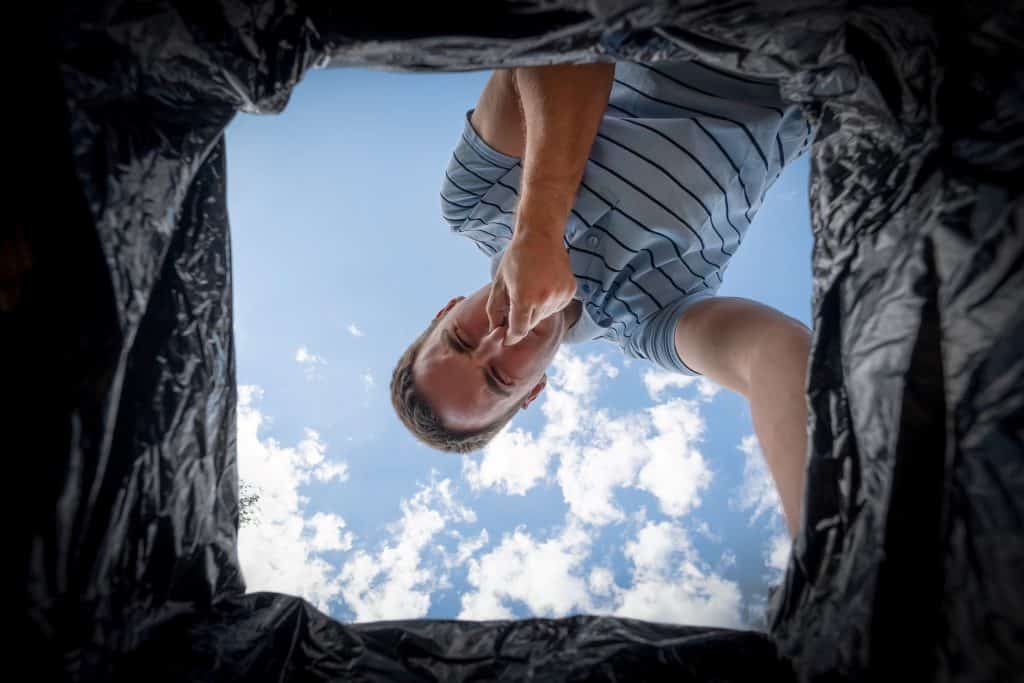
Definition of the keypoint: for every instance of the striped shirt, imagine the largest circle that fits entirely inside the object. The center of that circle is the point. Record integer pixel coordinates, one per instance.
(683, 157)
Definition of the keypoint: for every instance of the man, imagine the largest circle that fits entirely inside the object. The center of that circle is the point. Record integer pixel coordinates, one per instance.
(609, 200)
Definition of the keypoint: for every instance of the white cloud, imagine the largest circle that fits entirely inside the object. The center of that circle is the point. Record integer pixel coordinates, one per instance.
(280, 551)
(545, 575)
(600, 581)
(675, 472)
(302, 355)
(327, 533)
(777, 555)
(513, 462)
(670, 583)
(704, 529)
(653, 450)
(283, 550)
(578, 375)
(354, 330)
(311, 362)
(467, 548)
(657, 381)
(368, 381)
(396, 581)
(549, 577)
(757, 493)
(326, 471)
(608, 456)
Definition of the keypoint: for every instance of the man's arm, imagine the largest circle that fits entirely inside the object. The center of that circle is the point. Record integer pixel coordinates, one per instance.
(762, 354)
(498, 117)
(561, 109)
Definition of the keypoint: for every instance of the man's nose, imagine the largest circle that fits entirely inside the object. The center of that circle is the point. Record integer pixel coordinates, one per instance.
(492, 343)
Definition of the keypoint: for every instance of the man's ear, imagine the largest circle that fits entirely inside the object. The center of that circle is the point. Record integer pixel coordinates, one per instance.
(448, 307)
(535, 392)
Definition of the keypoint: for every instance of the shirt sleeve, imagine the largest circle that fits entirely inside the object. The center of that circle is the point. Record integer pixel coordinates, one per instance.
(655, 338)
(472, 171)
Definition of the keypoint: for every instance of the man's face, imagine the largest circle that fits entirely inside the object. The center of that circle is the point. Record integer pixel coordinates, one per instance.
(466, 373)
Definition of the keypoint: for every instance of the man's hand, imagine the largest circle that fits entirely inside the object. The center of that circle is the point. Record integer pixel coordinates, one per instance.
(533, 281)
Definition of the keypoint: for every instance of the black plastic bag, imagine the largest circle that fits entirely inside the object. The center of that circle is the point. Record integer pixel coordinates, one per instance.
(115, 297)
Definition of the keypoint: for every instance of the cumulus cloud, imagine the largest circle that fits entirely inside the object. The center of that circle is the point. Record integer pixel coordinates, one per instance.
(280, 551)
(354, 330)
(302, 355)
(671, 584)
(758, 496)
(658, 381)
(368, 381)
(757, 492)
(311, 362)
(545, 575)
(327, 533)
(600, 581)
(396, 580)
(284, 549)
(549, 577)
(655, 450)
(513, 463)
(467, 547)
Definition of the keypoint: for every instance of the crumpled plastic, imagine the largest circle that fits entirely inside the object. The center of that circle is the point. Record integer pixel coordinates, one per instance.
(118, 356)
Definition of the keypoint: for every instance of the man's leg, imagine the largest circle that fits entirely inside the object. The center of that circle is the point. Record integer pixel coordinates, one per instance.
(762, 354)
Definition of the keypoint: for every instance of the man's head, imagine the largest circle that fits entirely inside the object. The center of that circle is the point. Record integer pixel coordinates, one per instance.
(457, 385)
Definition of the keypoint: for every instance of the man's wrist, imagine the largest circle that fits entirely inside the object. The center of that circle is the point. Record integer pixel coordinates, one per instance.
(545, 210)
(541, 226)
(541, 233)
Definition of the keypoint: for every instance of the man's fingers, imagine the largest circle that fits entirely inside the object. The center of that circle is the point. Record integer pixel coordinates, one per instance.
(518, 323)
(566, 297)
(497, 304)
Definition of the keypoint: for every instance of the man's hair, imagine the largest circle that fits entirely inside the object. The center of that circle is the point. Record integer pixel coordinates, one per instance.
(423, 422)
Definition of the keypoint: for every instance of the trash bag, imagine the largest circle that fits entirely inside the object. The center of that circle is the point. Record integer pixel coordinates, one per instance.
(118, 356)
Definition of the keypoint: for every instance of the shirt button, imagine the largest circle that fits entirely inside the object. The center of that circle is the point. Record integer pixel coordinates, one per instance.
(593, 240)
(586, 287)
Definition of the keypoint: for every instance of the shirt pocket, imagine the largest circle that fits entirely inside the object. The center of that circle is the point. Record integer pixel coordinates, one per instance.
(595, 256)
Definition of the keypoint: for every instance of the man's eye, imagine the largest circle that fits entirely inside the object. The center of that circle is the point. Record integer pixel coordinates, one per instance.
(500, 377)
(462, 342)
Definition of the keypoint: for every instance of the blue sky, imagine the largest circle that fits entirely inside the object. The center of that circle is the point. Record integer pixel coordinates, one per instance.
(622, 490)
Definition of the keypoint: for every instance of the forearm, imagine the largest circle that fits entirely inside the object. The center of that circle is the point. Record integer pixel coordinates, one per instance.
(562, 106)
(778, 406)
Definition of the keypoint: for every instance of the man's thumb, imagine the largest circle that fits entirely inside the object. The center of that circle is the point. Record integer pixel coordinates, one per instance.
(497, 304)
